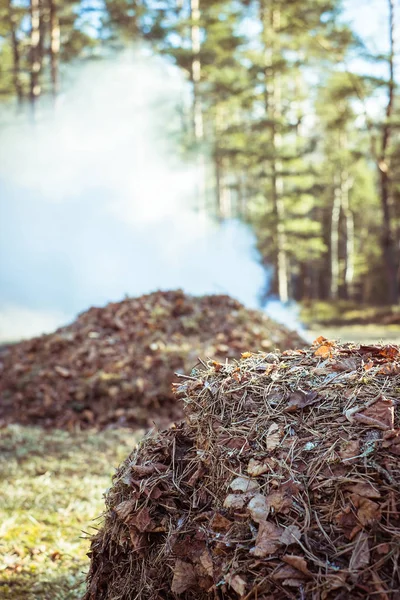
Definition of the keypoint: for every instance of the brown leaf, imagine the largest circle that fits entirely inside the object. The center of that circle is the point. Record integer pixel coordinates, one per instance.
(237, 583)
(184, 577)
(207, 563)
(379, 415)
(346, 364)
(125, 508)
(319, 340)
(290, 535)
(365, 489)
(235, 501)
(268, 539)
(368, 511)
(324, 351)
(273, 436)
(243, 484)
(392, 441)
(256, 467)
(349, 450)
(289, 574)
(258, 508)
(361, 556)
(300, 399)
(391, 352)
(141, 520)
(143, 470)
(220, 523)
(298, 562)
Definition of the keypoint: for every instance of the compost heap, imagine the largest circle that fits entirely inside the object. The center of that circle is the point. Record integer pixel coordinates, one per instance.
(283, 483)
(114, 365)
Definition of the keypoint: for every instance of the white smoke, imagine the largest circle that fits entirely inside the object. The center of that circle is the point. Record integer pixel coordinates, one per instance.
(97, 204)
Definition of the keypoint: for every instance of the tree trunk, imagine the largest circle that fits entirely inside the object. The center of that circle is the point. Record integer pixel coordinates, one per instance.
(388, 243)
(350, 249)
(16, 54)
(35, 57)
(54, 48)
(335, 221)
(271, 23)
(198, 126)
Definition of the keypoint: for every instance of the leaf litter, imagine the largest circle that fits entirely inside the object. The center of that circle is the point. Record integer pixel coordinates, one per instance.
(321, 519)
(113, 366)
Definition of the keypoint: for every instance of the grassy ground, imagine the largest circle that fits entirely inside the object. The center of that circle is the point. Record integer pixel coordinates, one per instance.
(344, 313)
(51, 487)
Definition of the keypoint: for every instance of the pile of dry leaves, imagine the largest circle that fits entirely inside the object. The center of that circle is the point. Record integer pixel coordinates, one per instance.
(115, 365)
(283, 483)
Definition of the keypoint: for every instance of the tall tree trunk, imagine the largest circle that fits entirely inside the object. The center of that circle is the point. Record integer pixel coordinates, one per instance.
(16, 54)
(271, 23)
(349, 223)
(335, 221)
(54, 48)
(198, 126)
(388, 243)
(35, 57)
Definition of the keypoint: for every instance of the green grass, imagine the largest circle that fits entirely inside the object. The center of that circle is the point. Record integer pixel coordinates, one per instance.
(349, 313)
(51, 490)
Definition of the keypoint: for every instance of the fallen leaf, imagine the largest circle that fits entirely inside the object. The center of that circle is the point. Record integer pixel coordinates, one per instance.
(220, 523)
(361, 555)
(290, 535)
(324, 351)
(268, 540)
(141, 520)
(297, 562)
(243, 484)
(273, 436)
(346, 364)
(379, 415)
(392, 441)
(256, 467)
(368, 511)
(124, 509)
(207, 563)
(389, 352)
(300, 399)
(184, 577)
(364, 488)
(258, 508)
(235, 501)
(237, 583)
(319, 340)
(349, 449)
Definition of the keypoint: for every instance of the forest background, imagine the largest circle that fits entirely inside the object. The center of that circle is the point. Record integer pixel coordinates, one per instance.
(292, 121)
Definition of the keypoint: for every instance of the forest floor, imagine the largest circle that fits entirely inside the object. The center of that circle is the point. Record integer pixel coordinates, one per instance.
(51, 488)
(350, 322)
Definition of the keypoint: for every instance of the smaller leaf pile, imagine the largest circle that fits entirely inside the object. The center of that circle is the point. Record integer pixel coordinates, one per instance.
(284, 482)
(114, 365)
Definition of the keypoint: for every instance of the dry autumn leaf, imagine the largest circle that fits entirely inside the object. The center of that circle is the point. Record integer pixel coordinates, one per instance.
(258, 508)
(297, 562)
(184, 577)
(257, 467)
(300, 399)
(361, 555)
(273, 436)
(379, 415)
(237, 583)
(268, 540)
(243, 484)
